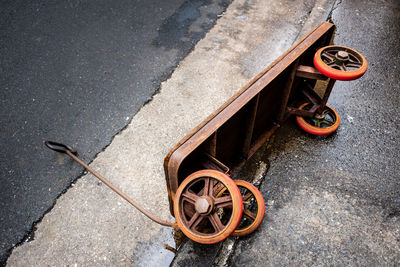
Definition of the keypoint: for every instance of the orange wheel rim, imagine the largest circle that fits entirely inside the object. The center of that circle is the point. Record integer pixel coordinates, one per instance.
(253, 208)
(254, 217)
(340, 62)
(202, 216)
(324, 126)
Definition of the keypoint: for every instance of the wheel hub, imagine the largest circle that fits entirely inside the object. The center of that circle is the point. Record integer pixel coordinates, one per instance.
(342, 55)
(204, 205)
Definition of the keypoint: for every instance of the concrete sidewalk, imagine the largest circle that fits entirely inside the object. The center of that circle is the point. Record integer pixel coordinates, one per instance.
(90, 224)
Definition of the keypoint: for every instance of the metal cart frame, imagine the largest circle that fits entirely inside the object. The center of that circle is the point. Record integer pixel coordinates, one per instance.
(234, 132)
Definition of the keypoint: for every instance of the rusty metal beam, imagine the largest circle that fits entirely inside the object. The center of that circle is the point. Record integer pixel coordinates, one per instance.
(309, 72)
(286, 91)
(250, 126)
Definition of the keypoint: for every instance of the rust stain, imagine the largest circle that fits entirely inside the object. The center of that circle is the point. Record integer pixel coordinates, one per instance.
(60, 159)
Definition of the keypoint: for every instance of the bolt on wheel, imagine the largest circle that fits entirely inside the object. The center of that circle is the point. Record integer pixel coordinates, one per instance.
(253, 207)
(200, 214)
(340, 62)
(325, 123)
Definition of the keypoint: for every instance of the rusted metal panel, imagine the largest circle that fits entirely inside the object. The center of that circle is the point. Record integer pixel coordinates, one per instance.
(233, 133)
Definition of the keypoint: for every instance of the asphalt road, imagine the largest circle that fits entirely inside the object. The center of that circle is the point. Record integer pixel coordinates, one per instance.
(76, 72)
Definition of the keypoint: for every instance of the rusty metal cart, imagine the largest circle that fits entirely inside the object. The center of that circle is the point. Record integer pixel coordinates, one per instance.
(206, 203)
(233, 133)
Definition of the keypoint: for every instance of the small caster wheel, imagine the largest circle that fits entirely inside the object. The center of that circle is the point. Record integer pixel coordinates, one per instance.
(200, 214)
(324, 124)
(253, 208)
(340, 63)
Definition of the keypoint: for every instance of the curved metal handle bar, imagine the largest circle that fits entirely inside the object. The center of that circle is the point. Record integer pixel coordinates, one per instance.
(72, 152)
(60, 147)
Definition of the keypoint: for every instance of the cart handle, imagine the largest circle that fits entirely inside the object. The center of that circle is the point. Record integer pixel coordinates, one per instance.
(72, 153)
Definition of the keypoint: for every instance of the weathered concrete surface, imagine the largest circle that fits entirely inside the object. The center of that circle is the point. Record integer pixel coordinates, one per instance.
(336, 200)
(90, 225)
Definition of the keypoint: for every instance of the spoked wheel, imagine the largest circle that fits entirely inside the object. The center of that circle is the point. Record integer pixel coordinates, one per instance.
(324, 124)
(253, 208)
(201, 215)
(340, 63)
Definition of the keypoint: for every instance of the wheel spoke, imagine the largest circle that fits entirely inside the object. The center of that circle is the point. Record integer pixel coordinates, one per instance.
(332, 64)
(354, 59)
(218, 189)
(332, 53)
(250, 215)
(328, 55)
(247, 196)
(208, 187)
(325, 112)
(316, 122)
(342, 67)
(201, 192)
(195, 220)
(190, 197)
(223, 202)
(216, 222)
(355, 62)
(330, 123)
(353, 65)
(330, 61)
(189, 209)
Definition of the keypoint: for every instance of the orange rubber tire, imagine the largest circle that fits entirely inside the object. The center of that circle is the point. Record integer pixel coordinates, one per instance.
(260, 209)
(317, 130)
(235, 212)
(336, 74)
